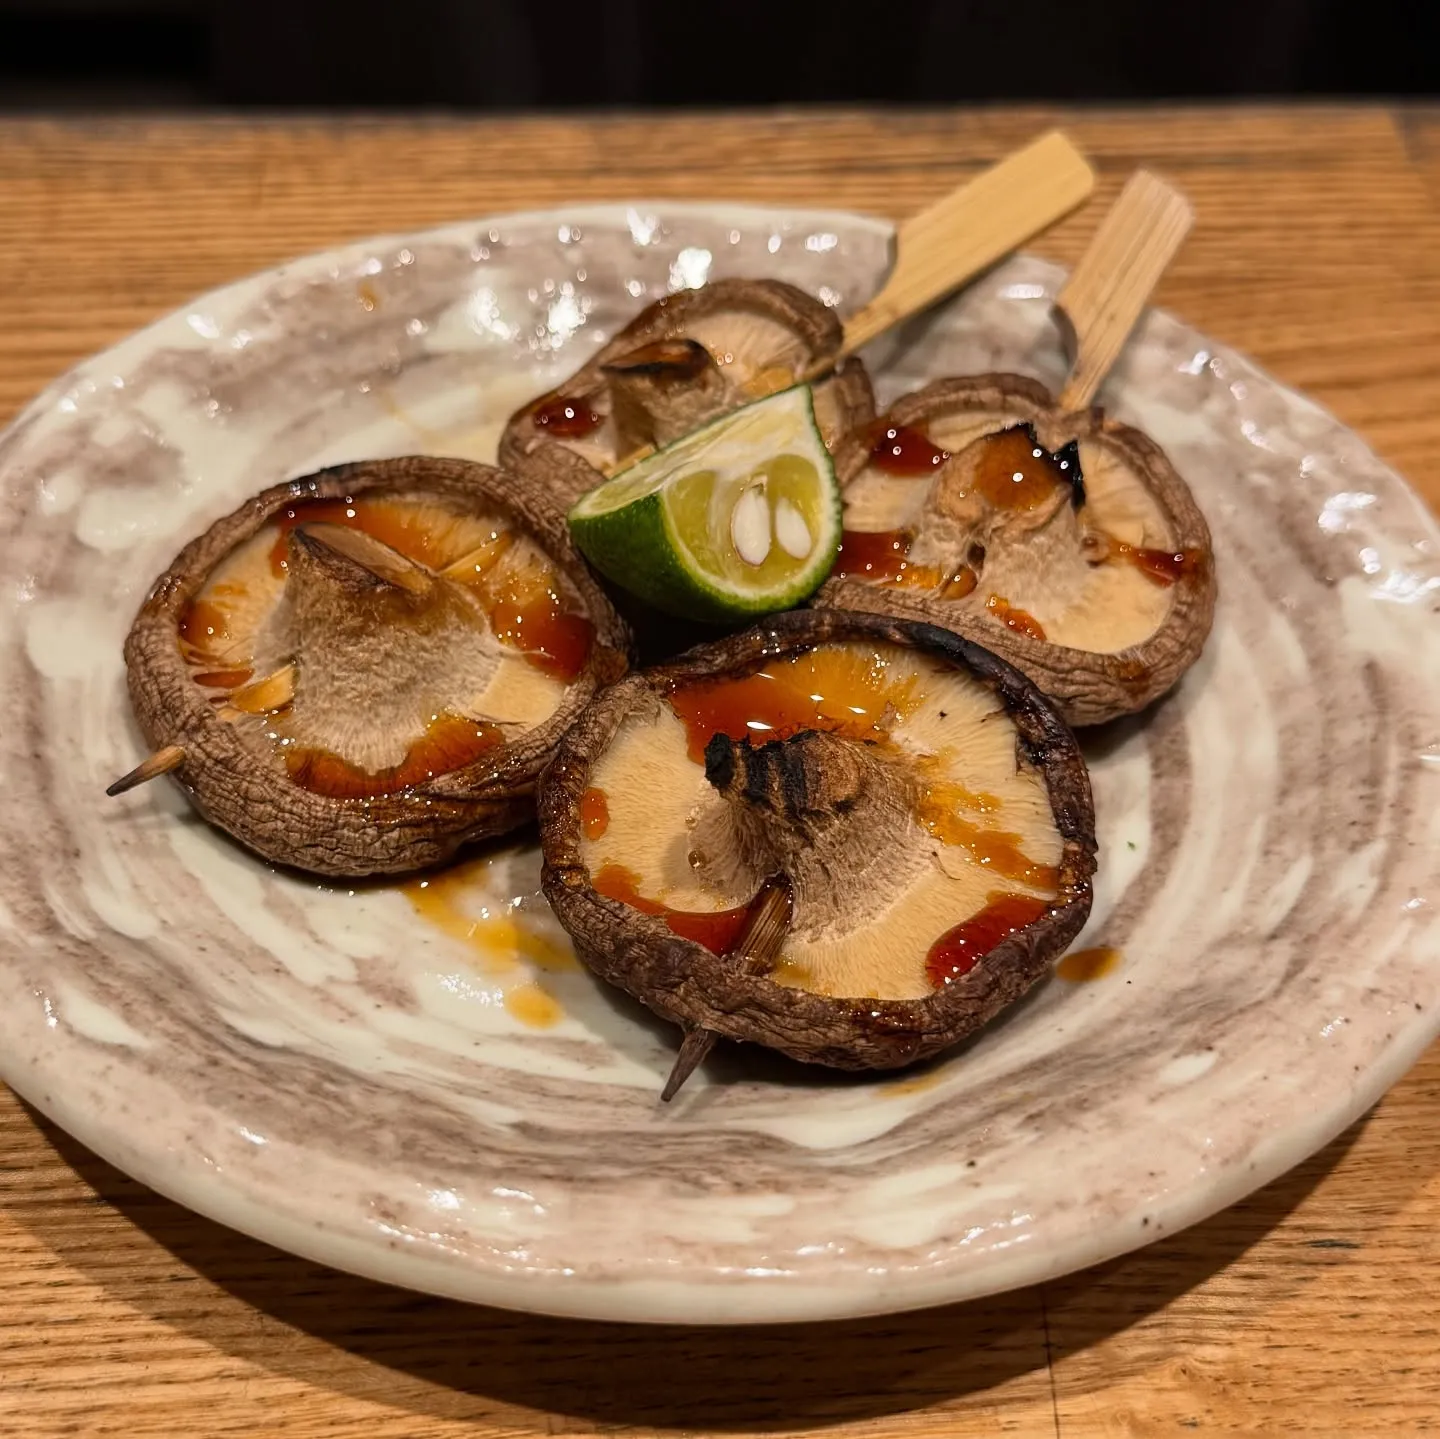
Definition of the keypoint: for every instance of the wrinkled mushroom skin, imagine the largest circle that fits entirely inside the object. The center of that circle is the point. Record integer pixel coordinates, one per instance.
(256, 802)
(686, 983)
(553, 469)
(665, 374)
(1089, 686)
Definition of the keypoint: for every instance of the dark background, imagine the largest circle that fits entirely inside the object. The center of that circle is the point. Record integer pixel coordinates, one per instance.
(555, 54)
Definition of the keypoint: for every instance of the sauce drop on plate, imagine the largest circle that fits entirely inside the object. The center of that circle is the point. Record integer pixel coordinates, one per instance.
(534, 1006)
(1087, 964)
(458, 903)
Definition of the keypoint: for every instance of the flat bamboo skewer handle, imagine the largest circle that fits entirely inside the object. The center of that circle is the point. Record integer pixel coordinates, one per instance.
(1109, 288)
(961, 234)
(958, 236)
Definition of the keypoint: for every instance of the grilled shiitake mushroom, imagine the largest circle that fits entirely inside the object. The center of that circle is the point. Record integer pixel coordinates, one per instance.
(358, 671)
(1063, 541)
(684, 360)
(916, 800)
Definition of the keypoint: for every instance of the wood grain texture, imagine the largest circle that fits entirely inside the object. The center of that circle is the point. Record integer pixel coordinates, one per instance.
(1313, 1308)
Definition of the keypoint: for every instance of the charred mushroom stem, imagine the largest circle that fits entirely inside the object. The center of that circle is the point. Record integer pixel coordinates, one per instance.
(815, 807)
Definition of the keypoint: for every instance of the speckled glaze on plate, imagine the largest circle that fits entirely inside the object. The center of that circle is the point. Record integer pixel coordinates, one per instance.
(420, 1085)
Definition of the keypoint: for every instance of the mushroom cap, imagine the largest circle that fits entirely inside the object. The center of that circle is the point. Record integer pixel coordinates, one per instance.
(685, 981)
(378, 632)
(1119, 647)
(682, 361)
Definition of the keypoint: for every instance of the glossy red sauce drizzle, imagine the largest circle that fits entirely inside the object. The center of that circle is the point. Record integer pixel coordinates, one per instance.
(567, 417)
(875, 555)
(594, 812)
(1165, 567)
(1013, 471)
(719, 932)
(844, 692)
(901, 450)
(958, 950)
(1018, 620)
(551, 637)
(450, 742)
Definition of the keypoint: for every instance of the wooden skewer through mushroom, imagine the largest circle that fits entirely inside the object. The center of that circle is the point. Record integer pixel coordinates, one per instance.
(1042, 529)
(756, 952)
(692, 356)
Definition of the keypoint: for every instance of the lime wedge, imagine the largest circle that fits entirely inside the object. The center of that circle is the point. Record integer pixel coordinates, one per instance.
(739, 518)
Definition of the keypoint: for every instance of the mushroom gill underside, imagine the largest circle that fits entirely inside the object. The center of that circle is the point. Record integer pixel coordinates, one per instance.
(1009, 532)
(377, 672)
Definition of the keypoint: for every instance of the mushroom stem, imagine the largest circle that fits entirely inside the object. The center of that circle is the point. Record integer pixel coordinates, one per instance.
(798, 784)
(676, 360)
(757, 950)
(354, 560)
(662, 391)
(766, 927)
(161, 762)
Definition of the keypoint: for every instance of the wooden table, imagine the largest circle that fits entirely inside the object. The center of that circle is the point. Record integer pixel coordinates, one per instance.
(1312, 1308)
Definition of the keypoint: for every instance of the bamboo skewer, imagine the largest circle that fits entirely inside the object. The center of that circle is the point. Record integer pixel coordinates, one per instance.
(953, 240)
(971, 228)
(757, 950)
(161, 762)
(1107, 291)
(256, 698)
(273, 691)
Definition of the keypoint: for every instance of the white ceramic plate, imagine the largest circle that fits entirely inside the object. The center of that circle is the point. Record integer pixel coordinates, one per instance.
(427, 1090)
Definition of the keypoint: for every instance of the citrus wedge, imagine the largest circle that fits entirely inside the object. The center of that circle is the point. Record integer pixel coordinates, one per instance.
(739, 518)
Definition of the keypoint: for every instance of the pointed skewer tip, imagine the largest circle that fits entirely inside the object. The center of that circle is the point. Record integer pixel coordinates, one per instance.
(693, 1048)
(161, 762)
